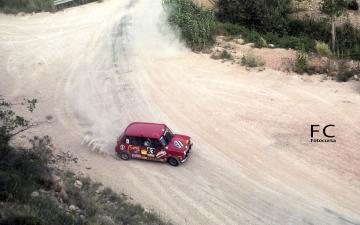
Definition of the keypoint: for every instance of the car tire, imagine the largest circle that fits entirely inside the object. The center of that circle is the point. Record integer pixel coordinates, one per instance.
(173, 161)
(124, 155)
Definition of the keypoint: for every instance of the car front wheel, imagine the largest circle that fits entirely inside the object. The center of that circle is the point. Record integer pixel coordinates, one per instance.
(173, 161)
(124, 155)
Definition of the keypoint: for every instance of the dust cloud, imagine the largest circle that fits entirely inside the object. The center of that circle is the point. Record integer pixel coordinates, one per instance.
(132, 36)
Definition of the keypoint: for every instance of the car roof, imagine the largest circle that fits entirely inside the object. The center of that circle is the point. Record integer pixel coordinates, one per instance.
(142, 129)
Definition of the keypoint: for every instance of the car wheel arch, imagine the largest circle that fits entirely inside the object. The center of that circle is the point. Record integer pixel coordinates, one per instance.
(121, 155)
(176, 161)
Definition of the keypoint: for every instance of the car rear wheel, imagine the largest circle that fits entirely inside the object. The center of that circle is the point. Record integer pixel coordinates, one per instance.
(124, 155)
(173, 161)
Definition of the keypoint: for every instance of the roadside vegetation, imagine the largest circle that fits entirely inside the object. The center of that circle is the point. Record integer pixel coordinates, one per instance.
(265, 24)
(270, 24)
(15, 6)
(249, 60)
(33, 191)
(194, 23)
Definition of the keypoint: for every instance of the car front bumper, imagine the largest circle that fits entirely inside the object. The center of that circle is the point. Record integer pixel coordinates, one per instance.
(187, 154)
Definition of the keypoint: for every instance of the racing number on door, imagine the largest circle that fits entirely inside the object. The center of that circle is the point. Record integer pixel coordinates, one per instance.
(150, 152)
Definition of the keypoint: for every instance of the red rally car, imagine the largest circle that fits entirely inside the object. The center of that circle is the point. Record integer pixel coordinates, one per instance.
(152, 141)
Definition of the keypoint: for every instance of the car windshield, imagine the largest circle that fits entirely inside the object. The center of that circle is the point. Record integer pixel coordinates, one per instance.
(166, 137)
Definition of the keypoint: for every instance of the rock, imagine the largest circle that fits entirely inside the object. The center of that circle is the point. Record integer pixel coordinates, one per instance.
(78, 184)
(35, 194)
(356, 77)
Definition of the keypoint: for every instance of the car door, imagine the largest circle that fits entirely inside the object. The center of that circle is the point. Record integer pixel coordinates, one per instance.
(134, 146)
(158, 150)
(146, 149)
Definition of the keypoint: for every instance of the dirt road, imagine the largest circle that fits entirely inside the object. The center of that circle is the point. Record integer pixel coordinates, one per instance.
(97, 67)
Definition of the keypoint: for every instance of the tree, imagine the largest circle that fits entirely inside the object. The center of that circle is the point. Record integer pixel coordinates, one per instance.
(333, 9)
(11, 124)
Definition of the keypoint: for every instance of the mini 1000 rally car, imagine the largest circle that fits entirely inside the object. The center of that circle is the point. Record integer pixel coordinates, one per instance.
(153, 141)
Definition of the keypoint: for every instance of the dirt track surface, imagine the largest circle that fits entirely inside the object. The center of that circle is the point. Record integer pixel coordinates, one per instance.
(98, 67)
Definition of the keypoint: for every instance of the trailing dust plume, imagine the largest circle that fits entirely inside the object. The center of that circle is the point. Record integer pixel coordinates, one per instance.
(133, 35)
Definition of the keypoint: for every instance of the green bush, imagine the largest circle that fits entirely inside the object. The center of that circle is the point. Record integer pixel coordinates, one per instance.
(301, 62)
(225, 55)
(355, 53)
(21, 220)
(47, 208)
(297, 43)
(310, 28)
(344, 76)
(13, 6)
(254, 37)
(228, 29)
(221, 55)
(347, 36)
(263, 40)
(22, 172)
(196, 24)
(322, 49)
(264, 15)
(267, 22)
(250, 60)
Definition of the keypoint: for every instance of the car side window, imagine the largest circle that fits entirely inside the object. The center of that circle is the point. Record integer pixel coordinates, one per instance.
(155, 143)
(147, 142)
(138, 141)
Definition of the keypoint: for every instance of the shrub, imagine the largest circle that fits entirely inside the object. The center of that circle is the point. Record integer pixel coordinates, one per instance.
(21, 220)
(344, 76)
(253, 36)
(348, 36)
(355, 53)
(322, 49)
(22, 172)
(46, 207)
(228, 29)
(272, 38)
(313, 29)
(221, 55)
(301, 62)
(225, 55)
(250, 60)
(13, 6)
(297, 43)
(195, 24)
(265, 15)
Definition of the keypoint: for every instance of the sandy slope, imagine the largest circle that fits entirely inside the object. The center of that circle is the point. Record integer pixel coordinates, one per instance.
(97, 67)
